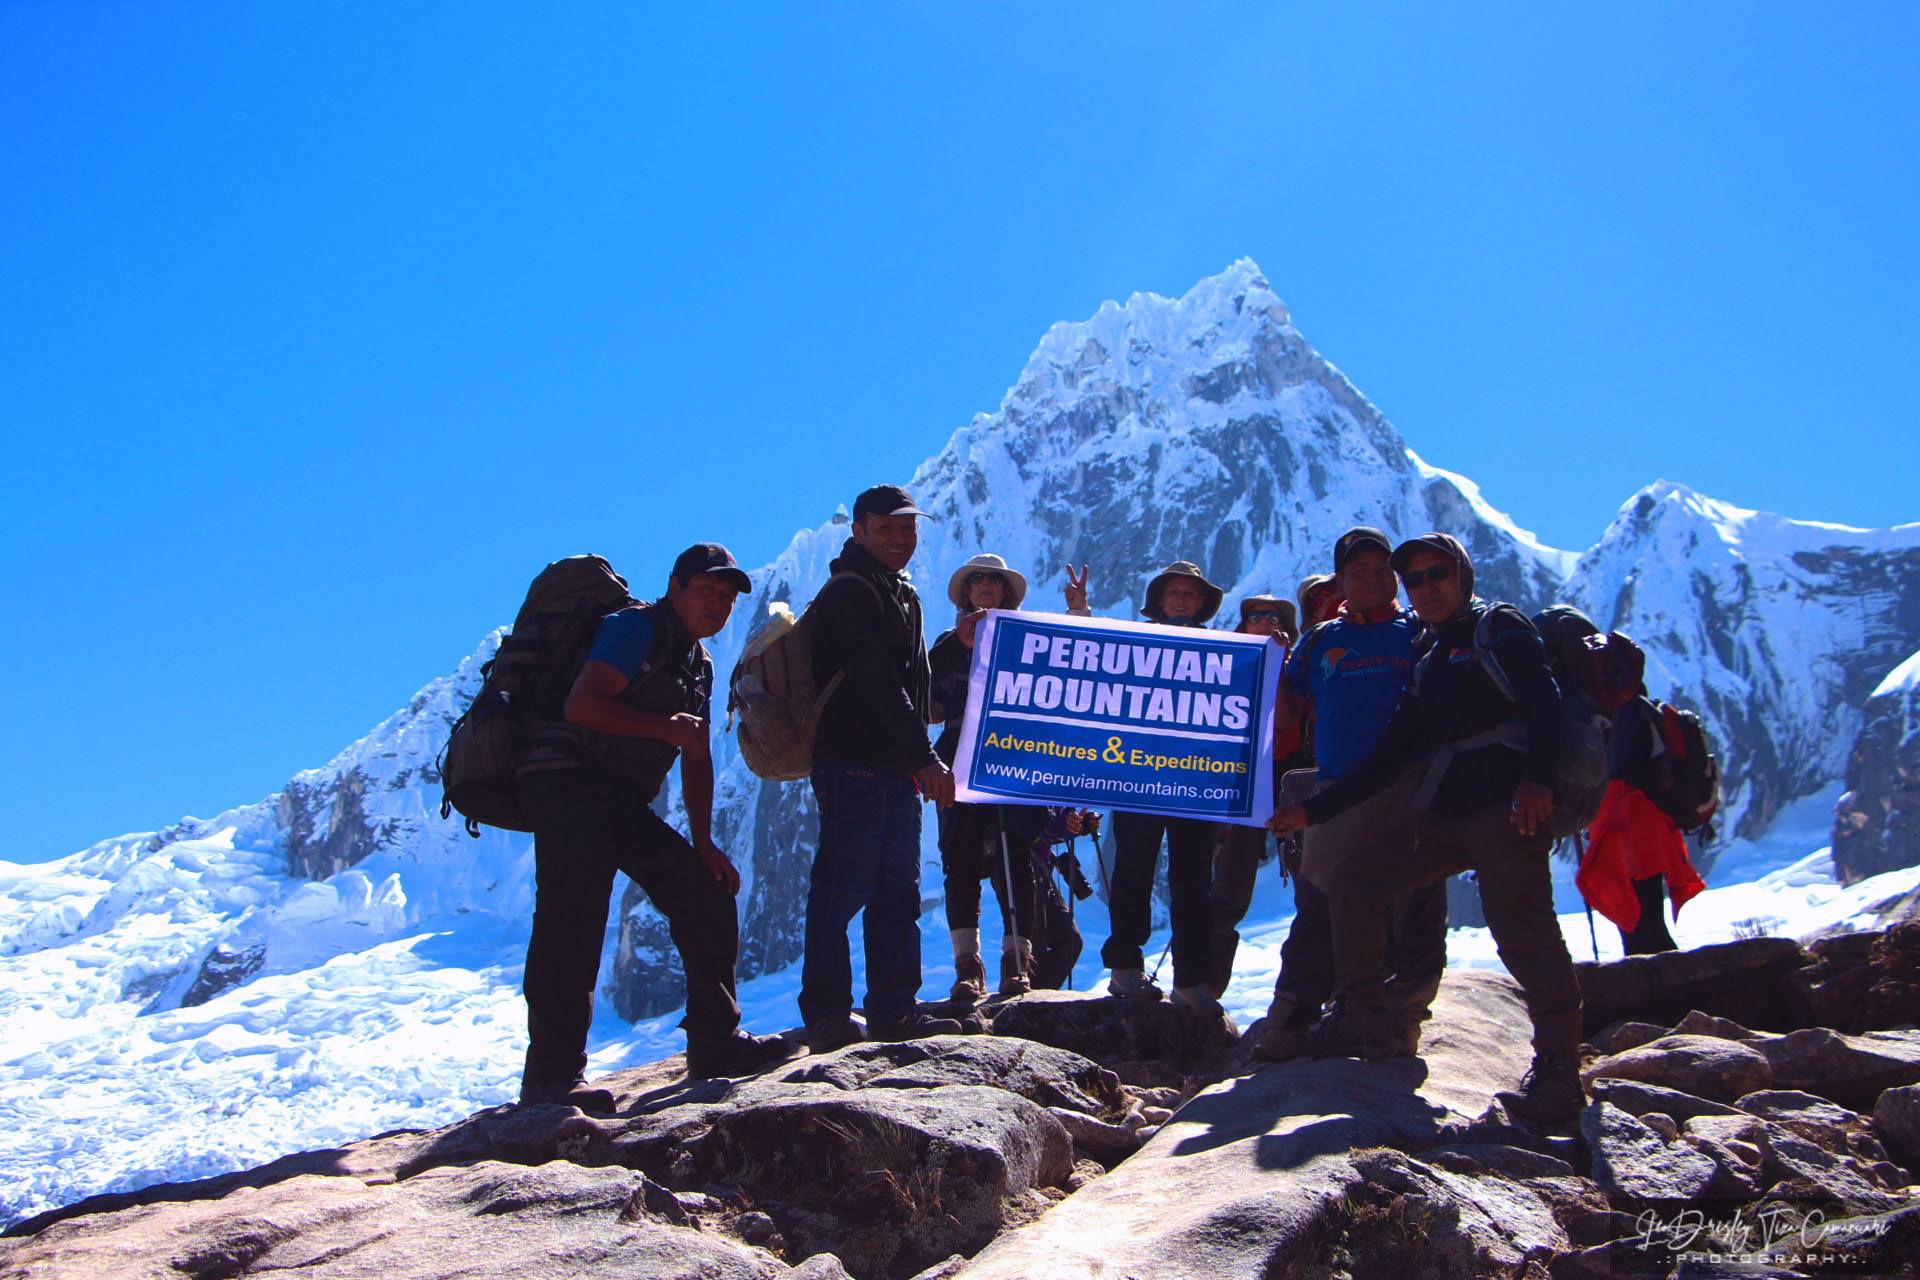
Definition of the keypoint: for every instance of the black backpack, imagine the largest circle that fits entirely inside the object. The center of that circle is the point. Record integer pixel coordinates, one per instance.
(524, 688)
(1683, 777)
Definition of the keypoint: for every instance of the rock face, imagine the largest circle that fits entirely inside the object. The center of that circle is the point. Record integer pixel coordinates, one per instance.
(1265, 1167)
(1702, 1065)
(1876, 825)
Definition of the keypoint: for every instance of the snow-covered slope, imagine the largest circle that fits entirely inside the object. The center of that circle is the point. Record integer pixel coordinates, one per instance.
(1776, 629)
(337, 959)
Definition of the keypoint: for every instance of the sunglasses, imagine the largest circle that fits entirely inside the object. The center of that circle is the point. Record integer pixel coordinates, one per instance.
(975, 579)
(1439, 573)
(1261, 615)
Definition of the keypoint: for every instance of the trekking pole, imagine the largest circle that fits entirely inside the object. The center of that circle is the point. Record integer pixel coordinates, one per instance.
(1013, 910)
(1072, 924)
(1593, 936)
(1163, 956)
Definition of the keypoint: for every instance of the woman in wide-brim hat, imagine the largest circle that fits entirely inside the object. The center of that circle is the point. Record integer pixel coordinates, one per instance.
(979, 570)
(1210, 595)
(970, 844)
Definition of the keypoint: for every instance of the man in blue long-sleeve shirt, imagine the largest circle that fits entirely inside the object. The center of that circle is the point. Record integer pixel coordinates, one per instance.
(1476, 761)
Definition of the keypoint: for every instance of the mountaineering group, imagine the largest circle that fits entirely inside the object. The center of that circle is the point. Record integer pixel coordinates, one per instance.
(1409, 745)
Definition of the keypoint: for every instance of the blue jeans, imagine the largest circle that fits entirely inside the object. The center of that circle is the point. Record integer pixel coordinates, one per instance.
(868, 860)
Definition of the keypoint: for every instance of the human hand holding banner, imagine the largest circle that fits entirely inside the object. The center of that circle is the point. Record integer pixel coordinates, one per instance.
(1100, 713)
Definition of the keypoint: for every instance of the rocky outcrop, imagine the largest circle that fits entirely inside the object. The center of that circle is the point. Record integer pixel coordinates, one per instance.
(1876, 825)
(1087, 1136)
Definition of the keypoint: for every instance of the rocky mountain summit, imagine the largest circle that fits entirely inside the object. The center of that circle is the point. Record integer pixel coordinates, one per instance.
(1086, 1136)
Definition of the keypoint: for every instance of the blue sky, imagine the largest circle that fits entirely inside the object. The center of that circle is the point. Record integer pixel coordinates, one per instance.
(324, 326)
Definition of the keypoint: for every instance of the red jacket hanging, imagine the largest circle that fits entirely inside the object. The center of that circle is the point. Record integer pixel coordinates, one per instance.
(1631, 839)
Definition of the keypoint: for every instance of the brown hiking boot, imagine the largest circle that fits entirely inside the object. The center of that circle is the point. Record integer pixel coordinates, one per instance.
(1279, 1044)
(1344, 1032)
(1013, 975)
(1406, 1040)
(1549, 1093)
(969, 980)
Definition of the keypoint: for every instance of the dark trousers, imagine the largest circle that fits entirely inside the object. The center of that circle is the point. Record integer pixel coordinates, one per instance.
(970, 849)
(1416, 955)
(1136, 856)
(1516, 890)
(1236, 860)
(587, 825)
(1650, 935)
(868, 861)
(1057, 942)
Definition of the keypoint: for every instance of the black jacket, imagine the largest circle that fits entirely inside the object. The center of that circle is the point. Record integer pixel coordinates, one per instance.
(1452, 697)
(952, 664)
(878, 715)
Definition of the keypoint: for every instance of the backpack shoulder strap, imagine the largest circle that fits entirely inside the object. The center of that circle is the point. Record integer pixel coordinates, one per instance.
(1483, 644)
(1309, 645)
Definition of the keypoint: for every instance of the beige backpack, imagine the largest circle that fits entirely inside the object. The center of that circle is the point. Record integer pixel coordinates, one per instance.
(773, 696)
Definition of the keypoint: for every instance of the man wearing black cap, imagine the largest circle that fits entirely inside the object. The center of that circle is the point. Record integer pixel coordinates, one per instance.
(639, 703)
(1349, 673)
(872, 763)
(1474, 746)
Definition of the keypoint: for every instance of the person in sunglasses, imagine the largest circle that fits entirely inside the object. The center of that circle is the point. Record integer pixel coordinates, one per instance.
(1471, 750)
(1343, 680)
(1238, 851)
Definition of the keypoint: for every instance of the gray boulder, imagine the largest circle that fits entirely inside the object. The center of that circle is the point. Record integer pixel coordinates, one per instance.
(1851, 1070)
(1755, 982)
(1705, 1066)
(1896, 1117)
(1256, 1172)
(1115, 1032)
(487, 1221)
(1638, 1098)
(1632, 1162)
(1037, 1072)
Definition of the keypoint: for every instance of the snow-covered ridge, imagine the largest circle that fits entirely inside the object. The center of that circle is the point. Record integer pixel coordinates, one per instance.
(336, 958)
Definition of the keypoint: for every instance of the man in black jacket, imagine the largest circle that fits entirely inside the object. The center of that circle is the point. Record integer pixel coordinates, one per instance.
(872, 763)
(1478, 767)
(638, 704)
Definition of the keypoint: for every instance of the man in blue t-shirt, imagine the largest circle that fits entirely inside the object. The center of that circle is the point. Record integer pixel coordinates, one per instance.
(1348, 674)
(639, 704)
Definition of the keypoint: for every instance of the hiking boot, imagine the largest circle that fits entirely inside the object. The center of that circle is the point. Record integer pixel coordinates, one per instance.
(969, 980)
(1341, 1033)
(1132, 984)
(1016, 967)
(1406, 1040)
(1198, 997)
(829, 1034)
(914, 1026)
(1279, 1044)
(739, 1054)
(1549, 1093)
(568, 1093)
(969, 971)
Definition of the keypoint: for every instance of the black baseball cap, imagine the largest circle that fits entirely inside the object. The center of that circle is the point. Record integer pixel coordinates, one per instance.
(1359, 538)
(885, 500)
(711, 557)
